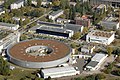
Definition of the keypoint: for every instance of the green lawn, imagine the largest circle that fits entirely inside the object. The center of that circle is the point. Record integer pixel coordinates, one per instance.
(17, 74)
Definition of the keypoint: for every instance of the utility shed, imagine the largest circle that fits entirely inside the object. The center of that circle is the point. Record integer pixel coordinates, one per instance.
(59, 72)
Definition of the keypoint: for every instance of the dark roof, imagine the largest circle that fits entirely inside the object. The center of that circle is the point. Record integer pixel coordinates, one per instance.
(73, 27)
(92, 63)
(56, 12)
(56, 29)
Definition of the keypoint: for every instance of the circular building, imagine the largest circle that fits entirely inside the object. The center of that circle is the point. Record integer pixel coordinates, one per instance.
(39, 53)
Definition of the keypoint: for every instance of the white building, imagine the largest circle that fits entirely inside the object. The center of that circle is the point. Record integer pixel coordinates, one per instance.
(9, 40)
(96, 61)
(87, 48)
(55, 14)
(101, 37)
(59, 72)
(60, 20)
(18, 4)
(7, 26)
(43, 3)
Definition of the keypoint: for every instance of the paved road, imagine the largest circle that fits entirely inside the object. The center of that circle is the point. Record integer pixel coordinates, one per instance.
(27, 25)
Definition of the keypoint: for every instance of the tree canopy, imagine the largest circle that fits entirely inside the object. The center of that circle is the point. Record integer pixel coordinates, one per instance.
(76, 36)
(4, 67)
(109, 50)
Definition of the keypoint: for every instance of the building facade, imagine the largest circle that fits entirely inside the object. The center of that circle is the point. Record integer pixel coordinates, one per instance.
(9, 40)
(96, 61)
(7, 26)
(101, 37)
(82, 21)
(59, 72)
(56, 14)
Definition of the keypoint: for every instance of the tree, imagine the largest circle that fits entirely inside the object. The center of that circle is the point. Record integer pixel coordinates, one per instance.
(7, 3)
(23, 37)
(78, 7)
(4, 67)
(72, 13)
(116, 72)
(100, 76)
(76, 36)
(29, 2)
(55, 3)
(85, 30)
(39, 3)
(73, 45)
(109, 50)
(66, 12)
(21, 22)
(63, 4)
(116, 51)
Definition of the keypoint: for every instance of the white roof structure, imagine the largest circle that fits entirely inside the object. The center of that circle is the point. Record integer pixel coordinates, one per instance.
(98, 57)
(59, 72)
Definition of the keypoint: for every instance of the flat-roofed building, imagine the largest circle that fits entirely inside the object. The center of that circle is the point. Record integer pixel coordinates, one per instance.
(87, 48)
(102, 37)
(60, 20)
(110, 25)
(8, 26)
(59, 72)
(56, 30)
(96, 61)
(56, 14)
(74, 27)
(18, 4)
(9, 40)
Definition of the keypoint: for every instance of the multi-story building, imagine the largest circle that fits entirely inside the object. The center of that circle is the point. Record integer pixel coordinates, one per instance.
(7, 26)
(113, 3)
(18, 4)
(56, 30)
(56, 14)
(101, 37)
(87, 48)
(9, 40)
(82, 21)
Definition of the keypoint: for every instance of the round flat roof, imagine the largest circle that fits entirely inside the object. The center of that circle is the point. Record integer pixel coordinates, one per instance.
(18, 51)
